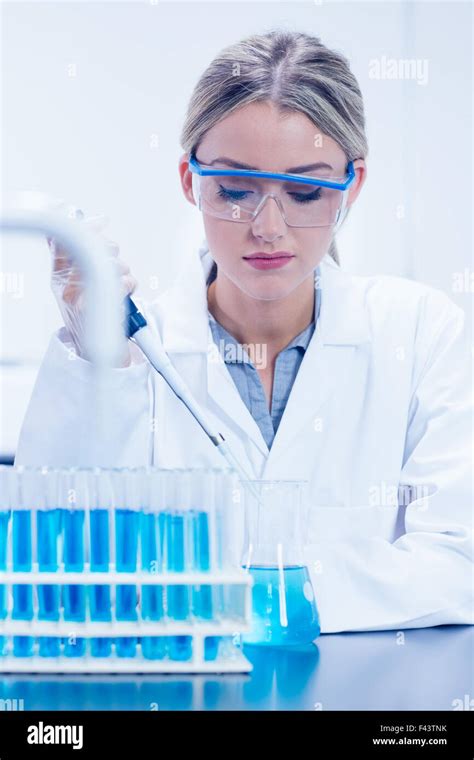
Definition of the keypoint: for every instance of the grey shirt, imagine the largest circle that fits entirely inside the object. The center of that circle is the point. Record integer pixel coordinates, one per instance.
(247, 380)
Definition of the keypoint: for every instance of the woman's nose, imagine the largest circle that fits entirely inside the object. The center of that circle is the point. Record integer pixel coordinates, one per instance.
(269, 222)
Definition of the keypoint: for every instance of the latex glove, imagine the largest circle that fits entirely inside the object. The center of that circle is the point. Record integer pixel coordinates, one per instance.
(68, 287)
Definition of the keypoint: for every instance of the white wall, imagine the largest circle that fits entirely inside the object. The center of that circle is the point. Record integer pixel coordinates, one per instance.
(94, 95)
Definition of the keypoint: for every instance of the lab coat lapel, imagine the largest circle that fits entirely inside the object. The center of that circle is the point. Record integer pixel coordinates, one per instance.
(223, 391)
(329, 361)
(185, 330)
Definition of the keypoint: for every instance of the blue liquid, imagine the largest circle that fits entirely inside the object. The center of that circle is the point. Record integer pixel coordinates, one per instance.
(126, 546)
(177, 596)
(223, 602)
(152, 608)
(49, 646)
(211, 647)
(99, 596)
(268, 625)
(4, 518)
(202, 595)
(22, 593)
(74, 596)
(48, 594)
(23, 646)
(101, 647)
(154, 647)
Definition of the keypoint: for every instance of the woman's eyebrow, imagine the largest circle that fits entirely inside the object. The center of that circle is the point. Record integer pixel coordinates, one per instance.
(292, 170)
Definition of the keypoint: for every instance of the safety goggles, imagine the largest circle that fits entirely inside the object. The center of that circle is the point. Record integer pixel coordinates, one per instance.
(238, 195)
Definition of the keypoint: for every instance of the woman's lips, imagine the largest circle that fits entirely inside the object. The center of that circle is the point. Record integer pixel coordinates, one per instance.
(273, 261)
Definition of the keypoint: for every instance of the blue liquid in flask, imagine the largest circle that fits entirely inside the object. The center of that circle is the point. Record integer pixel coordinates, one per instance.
(283, 614)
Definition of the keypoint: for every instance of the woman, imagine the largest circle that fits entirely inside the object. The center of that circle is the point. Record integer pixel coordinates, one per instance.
(358, 385)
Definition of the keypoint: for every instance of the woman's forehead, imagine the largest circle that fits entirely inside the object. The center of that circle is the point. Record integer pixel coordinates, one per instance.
(256, 138)
(236, 157)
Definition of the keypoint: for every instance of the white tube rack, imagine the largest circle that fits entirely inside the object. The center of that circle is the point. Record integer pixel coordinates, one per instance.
(231, 660)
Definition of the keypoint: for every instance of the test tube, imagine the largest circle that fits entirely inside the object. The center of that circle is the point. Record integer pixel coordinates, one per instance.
(100, 526)
(74, 502)
(151, 544)
(5, 481)
(47, 555)
(236, 599)
(23, 497)
(177, 539)
(126, 514)
(203, 522)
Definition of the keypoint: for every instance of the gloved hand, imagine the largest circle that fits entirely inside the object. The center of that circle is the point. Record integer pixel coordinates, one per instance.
(68, 287)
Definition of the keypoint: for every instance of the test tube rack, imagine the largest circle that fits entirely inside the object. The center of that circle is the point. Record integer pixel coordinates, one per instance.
(184, 614)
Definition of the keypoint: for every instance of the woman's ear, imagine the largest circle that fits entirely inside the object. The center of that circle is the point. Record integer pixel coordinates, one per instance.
(186, 178)
(360, 170)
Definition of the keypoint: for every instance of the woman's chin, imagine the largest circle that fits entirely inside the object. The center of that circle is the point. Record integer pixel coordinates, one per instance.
(267, 291)
(269, 286)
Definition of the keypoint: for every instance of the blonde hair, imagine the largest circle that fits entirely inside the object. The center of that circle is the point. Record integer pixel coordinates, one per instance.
(292, 70)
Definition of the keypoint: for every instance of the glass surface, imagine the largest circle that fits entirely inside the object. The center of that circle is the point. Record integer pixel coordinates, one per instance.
(239, 198)
(284, 609)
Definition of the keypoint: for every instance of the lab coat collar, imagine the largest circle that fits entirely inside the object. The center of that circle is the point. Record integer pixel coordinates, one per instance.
(327, 365)
(343, 318)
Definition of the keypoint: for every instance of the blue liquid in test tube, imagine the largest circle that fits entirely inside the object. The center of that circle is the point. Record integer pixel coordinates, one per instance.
(180, 647)
(126, 546)
(4, 520)
(48, 594)
(22, 593)
(151, 535)
(74, 596)
(99, 596)
(202, 595)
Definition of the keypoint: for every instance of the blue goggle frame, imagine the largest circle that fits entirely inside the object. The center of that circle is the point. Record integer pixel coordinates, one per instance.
(198, 168)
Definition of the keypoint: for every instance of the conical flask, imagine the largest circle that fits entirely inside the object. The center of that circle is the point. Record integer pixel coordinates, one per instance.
(284, 610)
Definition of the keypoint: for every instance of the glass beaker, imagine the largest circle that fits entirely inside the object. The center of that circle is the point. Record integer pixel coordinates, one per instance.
(284, 610)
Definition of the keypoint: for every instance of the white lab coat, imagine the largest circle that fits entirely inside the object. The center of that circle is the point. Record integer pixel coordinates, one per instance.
(381, 404)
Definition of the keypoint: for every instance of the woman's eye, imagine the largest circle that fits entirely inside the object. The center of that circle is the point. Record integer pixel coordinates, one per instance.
(305, 197)
(234, 195)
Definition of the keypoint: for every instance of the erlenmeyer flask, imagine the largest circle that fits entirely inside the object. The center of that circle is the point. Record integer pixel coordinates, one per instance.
(284, 610)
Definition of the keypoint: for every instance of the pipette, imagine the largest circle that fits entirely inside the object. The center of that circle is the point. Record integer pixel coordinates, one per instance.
(148, 340)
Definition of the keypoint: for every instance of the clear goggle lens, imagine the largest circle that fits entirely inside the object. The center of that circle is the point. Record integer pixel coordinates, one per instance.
(239, 199)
